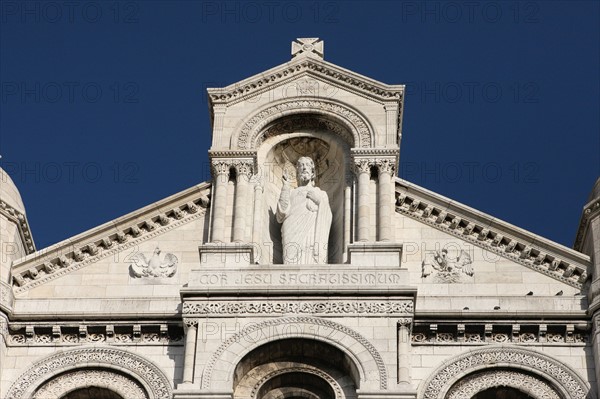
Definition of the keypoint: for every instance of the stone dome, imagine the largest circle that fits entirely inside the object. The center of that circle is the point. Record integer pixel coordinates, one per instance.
(9, 192)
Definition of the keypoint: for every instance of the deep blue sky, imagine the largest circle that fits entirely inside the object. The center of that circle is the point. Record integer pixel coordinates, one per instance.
(103, 106)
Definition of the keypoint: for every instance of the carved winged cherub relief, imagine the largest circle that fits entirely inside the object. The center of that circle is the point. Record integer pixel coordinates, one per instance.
(305, 216)
(155, 266)
(445, 269)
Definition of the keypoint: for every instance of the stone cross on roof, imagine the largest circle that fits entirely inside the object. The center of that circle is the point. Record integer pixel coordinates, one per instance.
(308, 46)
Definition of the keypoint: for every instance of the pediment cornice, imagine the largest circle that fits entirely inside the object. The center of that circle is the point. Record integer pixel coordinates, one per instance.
(20, 220)
(494, 235)
(110, 238)
(297, 68)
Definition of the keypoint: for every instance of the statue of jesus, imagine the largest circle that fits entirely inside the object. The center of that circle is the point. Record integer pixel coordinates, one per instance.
(305, 216)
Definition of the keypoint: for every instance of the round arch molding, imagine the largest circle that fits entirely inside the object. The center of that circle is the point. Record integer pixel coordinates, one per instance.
(135, 371)
(249, 134)
(469, 370)
(368, 360)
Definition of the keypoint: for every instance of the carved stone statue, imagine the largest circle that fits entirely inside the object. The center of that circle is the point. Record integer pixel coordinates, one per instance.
(154, 266)
(305, 216)
(445, 269)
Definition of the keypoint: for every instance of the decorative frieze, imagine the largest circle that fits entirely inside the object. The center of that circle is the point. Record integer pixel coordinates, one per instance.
(69, 335)
(298, 307)
(519, 251)
(92, 380)
(331, 73)
(471, 385)
(87, 254)
(499, 333)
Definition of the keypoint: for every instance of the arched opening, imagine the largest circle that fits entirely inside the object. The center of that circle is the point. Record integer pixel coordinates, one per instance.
(502, 393)
(92, 393)
(296, 385)
(284, 142)
(295, 368)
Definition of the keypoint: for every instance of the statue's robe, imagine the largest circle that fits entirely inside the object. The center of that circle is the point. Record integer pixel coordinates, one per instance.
(305, 225)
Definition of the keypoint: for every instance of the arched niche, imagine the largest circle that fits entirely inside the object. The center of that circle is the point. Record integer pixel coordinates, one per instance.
(369, 370)
(295, 368)
(283, 142)
(127, 374)
(528, 371)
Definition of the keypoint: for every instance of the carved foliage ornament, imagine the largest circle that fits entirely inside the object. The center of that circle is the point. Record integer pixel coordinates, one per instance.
(326, 307)
(471, 385)
(441, 380)
(63, 384)
(252, 129)
(147, 373)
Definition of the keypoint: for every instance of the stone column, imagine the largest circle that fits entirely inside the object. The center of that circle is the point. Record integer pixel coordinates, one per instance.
(220, 178)
(347, 218)
(190, 350)
(243, 170)
(385, 170)
(404, 326)
(363, 172)
(257, 220)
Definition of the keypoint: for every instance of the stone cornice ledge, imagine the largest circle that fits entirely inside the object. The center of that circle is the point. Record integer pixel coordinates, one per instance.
(21, 221)
(540, 254)
(591, 209)
(109, 238)
(262, 82)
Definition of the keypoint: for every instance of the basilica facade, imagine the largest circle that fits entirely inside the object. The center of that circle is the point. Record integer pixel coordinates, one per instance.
(304, 269)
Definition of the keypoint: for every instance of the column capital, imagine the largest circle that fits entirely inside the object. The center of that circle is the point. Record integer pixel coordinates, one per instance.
(244, 168)
(220, 167)
(385, 165)
(362, 165)
(405, 322)
(189, 322)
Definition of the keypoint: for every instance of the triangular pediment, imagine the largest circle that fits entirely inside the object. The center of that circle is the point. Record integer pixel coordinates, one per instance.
(127, 233)
(491, 234)
(301, 68)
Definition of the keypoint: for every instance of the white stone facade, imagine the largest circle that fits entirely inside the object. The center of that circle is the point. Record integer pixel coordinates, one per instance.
(421, 297)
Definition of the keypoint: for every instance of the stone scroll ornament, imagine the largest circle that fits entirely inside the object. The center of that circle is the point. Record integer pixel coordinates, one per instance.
(156, 265)
(441, 268)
